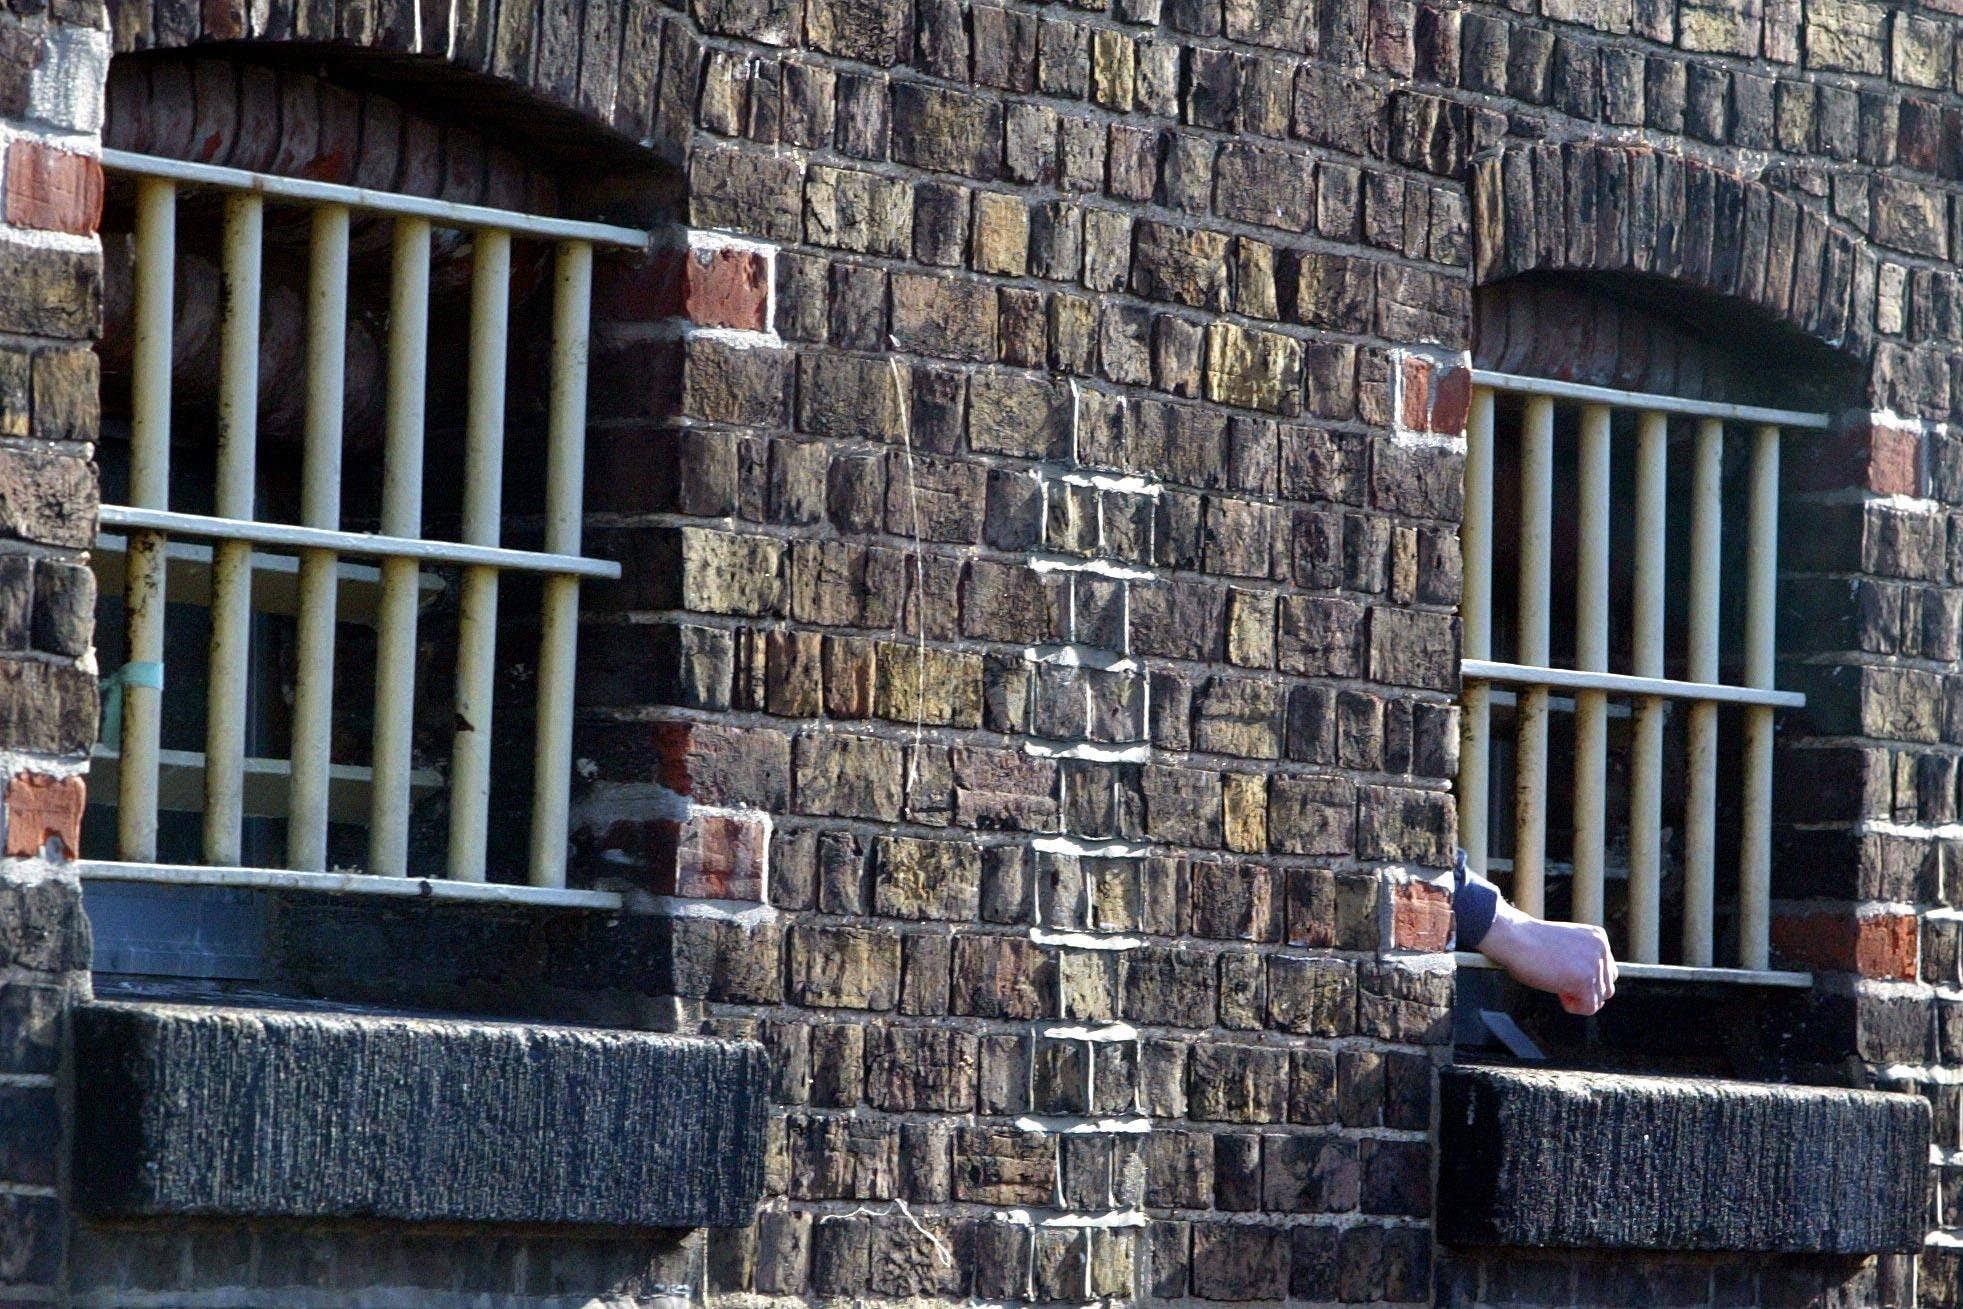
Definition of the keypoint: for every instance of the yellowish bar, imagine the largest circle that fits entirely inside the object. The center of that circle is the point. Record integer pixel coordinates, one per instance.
(1592, 655)
(558, 646)
(1646, 748)
(1536, 547)
(1476, 555)
(402, 511)
(477, 627)
(1761, 580)
(320, 506)
(1700, 806)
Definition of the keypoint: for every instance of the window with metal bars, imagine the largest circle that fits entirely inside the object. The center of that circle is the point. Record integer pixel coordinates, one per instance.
(1621, 564)
(257, 618)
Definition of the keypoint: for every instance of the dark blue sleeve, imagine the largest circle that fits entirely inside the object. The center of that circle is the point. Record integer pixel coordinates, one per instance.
(1474, 903)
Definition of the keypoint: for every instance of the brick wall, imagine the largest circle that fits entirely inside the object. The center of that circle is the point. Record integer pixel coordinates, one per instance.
(1870, 869)
(1068, 628)
(50, 112)
(1035, 265)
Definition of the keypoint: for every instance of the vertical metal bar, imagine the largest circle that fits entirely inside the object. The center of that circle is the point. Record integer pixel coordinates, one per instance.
(1536, 554)
(1646, 764)
(231, 578)
(1476, 555)
(155, 296)
(477, 624)
(1700, 806)
(402, 513)
(1591, 724)
(1761, 582)
(320, 506)
(558, 647)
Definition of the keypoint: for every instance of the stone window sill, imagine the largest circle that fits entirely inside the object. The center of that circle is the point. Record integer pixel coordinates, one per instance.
(1575, 1160)
(244, 1112)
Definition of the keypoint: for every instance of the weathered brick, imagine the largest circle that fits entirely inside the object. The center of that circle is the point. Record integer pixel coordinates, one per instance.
(1238, 1083)
(838, 1157)
(1311, 815)
(747, 191)
(1250, 369)
(1236, 1261)
(47, 708)
(853, 210)
(52, 189)
(848, 776)
(947, 131)
(47, 497)
(1004, 1166)
(921, 1069)
(844, 967)
(1312, 996)
(1181, 265)
(1002, 977)
(926, 879)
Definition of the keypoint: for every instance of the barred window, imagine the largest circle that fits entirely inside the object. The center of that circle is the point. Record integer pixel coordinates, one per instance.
(268, 610)
(1621, 564)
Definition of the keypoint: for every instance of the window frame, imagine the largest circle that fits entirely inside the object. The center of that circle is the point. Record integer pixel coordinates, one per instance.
(236, 541)
(1533, 676)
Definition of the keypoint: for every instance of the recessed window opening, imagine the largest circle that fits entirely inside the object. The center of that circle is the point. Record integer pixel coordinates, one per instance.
(341, 462)
(1622, 691)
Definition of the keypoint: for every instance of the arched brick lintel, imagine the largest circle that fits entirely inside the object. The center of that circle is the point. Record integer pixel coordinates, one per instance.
(567, 69)
(1586, 207)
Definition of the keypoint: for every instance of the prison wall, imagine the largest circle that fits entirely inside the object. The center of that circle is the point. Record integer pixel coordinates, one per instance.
(1050, 658)
(51, 74)
(1221, 256)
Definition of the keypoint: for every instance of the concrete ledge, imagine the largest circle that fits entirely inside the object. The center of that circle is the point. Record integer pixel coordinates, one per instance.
(190, 1110)
(1533, 1158)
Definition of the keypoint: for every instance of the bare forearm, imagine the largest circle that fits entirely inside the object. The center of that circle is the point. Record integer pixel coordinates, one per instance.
(1571, 960)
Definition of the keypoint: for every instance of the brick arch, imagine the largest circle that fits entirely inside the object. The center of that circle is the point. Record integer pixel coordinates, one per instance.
(1580, 207)
(557, 71)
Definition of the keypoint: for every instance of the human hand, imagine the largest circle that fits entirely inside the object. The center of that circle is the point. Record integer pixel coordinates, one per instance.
(1571, 960)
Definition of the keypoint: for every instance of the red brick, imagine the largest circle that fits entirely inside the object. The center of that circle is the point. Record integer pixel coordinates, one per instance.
(1884, 947)
(1421, 916)
(724, 766)
(1865, 451)
(1451, 398)
(729, 287)
(1879, 946)
(56, 190)
(1894, 459)
(1414, 394)
(1432, 396)
(44, 815)
(713, 856)
(1824, 940)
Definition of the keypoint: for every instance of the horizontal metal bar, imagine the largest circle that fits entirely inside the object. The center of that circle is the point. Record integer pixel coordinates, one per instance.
(1485, 670)
(279, 879)
(1677, 973)
(276, 584)
(267, 784)
(366, 544)
(444, 213)
(1643, 400)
